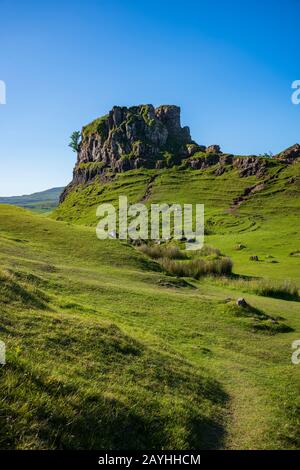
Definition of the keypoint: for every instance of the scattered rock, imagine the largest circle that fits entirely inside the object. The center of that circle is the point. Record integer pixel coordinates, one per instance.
(194, 148)
(204, 162)
(241, 302)
(253, 258)
(240, 246)
(220, 170)
(295, 253)
(213, 149)
(250, 166)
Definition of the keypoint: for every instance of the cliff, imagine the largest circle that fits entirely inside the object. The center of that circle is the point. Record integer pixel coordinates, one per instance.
(130, 138)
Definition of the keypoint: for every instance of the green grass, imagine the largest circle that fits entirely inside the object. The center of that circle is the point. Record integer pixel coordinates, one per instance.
(266, 287)
(96, 126)
(106, 351)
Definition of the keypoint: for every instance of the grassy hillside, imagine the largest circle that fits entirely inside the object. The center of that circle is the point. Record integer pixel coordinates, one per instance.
(257, 224)
(104, 350)
(44, 201)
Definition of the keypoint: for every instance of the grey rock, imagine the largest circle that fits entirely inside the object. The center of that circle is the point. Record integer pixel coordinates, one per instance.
(241, 302)
(130, 138)
(290, 154)
(213, 149)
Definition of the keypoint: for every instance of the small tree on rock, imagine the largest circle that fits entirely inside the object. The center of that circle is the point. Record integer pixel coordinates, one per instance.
(75, 141)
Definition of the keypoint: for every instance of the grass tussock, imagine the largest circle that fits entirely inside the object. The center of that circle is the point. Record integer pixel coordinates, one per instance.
(286, 290)
(281, 290)
(198, 267)
(207, 261)
(208, 250)
(161, 251)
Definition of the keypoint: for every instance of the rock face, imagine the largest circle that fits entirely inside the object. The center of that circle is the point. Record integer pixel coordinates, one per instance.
(290, 155)
(130, 138)
(213, 149)
(250, 166)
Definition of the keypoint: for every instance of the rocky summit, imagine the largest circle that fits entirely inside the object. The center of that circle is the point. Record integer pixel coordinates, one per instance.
(129, 138)
(143, 136)
(132, 137)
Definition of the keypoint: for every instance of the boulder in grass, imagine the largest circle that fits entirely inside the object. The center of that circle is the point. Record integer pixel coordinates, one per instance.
(241, 302)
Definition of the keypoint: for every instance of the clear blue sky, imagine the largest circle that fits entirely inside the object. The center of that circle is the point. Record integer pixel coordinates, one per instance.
(228, 64)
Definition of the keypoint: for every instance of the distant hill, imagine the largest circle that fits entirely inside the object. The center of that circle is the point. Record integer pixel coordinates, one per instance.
(44, 201)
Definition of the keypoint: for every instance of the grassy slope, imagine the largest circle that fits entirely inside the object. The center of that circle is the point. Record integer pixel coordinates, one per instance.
(257, 223)
(44, 201)
(105, 351)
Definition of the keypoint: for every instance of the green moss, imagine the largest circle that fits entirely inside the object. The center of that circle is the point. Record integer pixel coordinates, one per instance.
(98, 126)
(135, 145)
(168, 159)
(91, 165)
(145, 114)
(127, 156)
(198, 155)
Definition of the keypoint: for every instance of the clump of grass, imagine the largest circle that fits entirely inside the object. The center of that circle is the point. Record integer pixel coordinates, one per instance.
(208, 250)
(158, 251)
(281, 290)
(207, 261)
(286, 290)
(197, 267)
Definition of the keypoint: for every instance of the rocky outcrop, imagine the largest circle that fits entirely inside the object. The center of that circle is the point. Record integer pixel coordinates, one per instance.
(246, 166)
(130, 138)
(250, 166)
(213, 149)
(143, 136)
(290, 155)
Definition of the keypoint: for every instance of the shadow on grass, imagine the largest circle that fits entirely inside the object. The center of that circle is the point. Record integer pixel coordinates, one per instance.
(130, 397)
(258, 320)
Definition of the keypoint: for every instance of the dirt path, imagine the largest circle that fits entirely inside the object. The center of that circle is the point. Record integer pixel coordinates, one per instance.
(148, 191)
